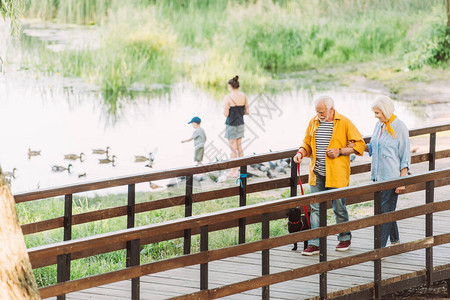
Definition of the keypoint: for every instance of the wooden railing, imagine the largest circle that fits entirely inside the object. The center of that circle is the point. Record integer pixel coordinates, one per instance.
(262, 211)
(132, 245)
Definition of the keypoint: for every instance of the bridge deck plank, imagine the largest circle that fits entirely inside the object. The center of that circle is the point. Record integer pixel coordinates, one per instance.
(234, 269)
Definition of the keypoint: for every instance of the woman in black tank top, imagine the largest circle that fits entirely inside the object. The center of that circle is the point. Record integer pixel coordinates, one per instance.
(236, 106)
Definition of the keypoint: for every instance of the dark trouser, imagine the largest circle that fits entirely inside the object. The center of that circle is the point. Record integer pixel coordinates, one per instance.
(388, 204)
(339, 208)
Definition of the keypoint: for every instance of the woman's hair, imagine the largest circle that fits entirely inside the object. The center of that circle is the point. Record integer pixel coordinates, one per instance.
(327, 100)
(234, 82)
(385, 104)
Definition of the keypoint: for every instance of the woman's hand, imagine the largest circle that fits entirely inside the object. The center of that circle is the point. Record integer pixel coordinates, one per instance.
(400, 189)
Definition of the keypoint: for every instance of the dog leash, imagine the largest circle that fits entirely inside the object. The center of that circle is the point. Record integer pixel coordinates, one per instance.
(240, 179)
(301, 188)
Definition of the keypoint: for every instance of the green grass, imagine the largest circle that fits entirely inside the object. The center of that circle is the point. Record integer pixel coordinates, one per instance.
(39, 210)
(154, 43)
(54, 207)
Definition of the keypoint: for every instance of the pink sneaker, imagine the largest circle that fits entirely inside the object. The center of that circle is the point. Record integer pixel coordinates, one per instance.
(311, 250)
(343, 246)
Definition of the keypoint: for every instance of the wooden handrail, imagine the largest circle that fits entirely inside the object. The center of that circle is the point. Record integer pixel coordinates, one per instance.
(84, 247)
(119, 211)
(167, 227)
(212, 255)
(171, 173)
(322, 267)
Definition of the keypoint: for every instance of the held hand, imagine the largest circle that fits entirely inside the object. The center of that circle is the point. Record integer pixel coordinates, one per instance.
(298, 158)
(351, 144)
(400, 189)
(333, 153)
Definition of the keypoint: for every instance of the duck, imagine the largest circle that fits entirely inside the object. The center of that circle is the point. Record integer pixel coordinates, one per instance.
(101, 151)
(285, 162)
(141, 158)
(107, 160)
(56, 168)
(33, 153)
(263, 168)
(152, 154)
(154, 186)
(74, 156)
(172, 183)
(280, 170)
(273, 165)
(199, 178)
(270, 174)
(11, 174)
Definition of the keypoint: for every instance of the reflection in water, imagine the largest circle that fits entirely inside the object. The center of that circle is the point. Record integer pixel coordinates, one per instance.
(58, 116)
(45, 116)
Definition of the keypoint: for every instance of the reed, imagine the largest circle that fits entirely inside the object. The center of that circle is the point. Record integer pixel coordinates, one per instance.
(206, 42)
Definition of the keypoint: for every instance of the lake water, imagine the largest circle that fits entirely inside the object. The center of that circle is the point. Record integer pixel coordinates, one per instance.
(59, 116)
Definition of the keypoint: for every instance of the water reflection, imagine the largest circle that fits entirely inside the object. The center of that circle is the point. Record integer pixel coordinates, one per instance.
(59, 116)
(41, 114)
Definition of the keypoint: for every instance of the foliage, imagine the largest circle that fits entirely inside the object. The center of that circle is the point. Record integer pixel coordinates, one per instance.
(12, 9)
(155, 42)
(434, 41)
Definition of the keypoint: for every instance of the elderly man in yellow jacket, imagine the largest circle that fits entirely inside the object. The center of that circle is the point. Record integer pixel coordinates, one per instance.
(326, 143)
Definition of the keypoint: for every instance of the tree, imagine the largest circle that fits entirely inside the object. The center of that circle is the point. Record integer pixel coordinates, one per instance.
(11, 9)
(447, 5)
(16, 275)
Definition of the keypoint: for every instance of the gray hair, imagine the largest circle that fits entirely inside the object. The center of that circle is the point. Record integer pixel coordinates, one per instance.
(385, 104)
(327, 100)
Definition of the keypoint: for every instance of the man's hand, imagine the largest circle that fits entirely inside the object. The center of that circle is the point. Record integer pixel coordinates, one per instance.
(400, 189)
(351, 144)
(333, 153)
(298, 158)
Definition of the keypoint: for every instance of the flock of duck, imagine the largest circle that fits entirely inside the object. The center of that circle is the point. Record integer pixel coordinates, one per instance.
(270, 169)
(107, 159)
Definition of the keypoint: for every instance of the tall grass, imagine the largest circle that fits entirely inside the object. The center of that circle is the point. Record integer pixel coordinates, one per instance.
(207, 42)
(39, 210)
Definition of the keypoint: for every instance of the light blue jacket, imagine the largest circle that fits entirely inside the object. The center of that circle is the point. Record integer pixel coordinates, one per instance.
(389, 155)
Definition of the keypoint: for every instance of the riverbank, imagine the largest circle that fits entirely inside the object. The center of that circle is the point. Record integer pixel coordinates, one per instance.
(206, 43)
(391, 77)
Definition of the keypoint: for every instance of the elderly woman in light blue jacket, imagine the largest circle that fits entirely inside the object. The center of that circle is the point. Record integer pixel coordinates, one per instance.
(389, 148)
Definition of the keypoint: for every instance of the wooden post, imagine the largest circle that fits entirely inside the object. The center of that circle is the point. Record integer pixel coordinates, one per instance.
(294, 178)
(188, 212)
(16, 275)
(133, 253)
(377, 245)
(448, 280)
(203, 248)
(63, 261)
(242, 202)
(429, 194)
(323, 249)
(265, 263)
(432, 157)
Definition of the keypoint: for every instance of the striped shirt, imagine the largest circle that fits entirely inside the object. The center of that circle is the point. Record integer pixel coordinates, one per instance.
(323, 137)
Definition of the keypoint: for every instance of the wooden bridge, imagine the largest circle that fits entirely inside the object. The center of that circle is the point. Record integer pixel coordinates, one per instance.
(265, 268)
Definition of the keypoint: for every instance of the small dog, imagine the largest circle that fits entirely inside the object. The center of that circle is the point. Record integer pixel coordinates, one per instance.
(297, 222)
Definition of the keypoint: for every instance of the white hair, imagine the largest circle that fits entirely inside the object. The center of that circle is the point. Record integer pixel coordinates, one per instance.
(327, 100)
(385, 104)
